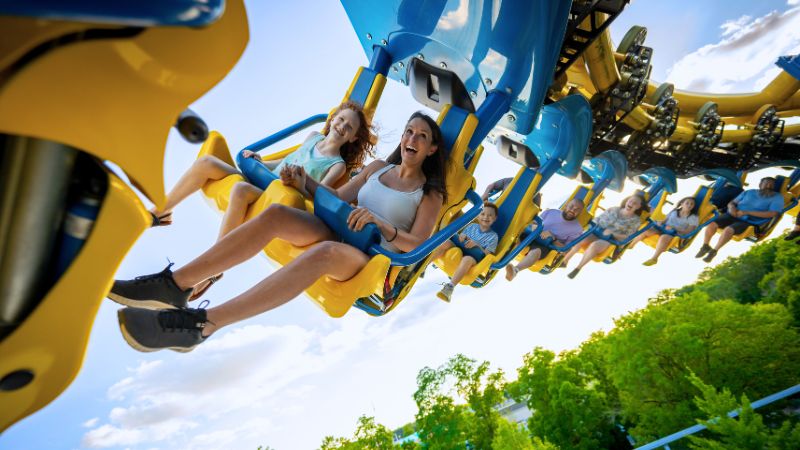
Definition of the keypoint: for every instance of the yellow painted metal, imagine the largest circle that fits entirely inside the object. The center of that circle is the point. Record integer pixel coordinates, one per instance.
(122, 112)
(52, 341)
(599, 58)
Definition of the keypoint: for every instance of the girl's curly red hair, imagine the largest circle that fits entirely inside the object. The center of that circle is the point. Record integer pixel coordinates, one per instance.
(355, 153)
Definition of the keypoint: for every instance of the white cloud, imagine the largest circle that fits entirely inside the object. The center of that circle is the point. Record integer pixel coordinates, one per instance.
(456, 18)
(235, 374)
(732, 26)
(793, 2)
(744, 59)
(91, 422)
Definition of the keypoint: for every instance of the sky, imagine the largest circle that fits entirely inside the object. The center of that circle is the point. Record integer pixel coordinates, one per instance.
(290, 377)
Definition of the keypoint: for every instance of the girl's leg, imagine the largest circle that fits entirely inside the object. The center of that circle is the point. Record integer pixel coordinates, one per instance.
(298, 227)
(242, 196)
(334, 259)
(662, 245)
(202, 170)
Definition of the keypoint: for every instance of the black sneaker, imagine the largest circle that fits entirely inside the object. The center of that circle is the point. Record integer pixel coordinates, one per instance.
(156, 291)
(148, 330)
(710, 255)
(703, 250)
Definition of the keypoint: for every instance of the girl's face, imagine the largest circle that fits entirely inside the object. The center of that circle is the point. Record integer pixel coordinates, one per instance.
(344, 125)
(417, 142)
(688, 204)
(634, 202)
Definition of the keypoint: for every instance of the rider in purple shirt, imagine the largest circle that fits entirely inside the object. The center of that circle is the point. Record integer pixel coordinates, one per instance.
(562, 226)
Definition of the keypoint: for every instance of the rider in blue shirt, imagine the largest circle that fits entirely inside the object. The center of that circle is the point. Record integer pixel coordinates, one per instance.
(747, 208)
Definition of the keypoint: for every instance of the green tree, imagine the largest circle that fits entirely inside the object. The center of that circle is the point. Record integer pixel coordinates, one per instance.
(748, 348)
(510, 435)
(746, 432)
(569, 399)
(442, 422)
(368, 436)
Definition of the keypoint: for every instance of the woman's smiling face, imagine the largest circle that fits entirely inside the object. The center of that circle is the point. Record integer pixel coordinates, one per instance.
(417, 141)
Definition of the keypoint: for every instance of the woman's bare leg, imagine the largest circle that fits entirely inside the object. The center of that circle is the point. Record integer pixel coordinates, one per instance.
(202, 170)
(242, 196)
(593, 250)
(334, 259)
(298, 227)
(577, 247)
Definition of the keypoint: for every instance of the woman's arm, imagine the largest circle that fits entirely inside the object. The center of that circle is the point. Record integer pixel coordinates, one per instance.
(425, 221)
(427, 212)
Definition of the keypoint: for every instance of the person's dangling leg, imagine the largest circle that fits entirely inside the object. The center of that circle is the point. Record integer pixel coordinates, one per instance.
(203, 169)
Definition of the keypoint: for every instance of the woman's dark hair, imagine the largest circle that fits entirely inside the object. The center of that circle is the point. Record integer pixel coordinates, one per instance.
(354, 153)
(434, 166)
(643, 204)
(694, 210)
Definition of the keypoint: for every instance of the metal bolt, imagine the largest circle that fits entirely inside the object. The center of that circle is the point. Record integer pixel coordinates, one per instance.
(394, 69)
(488, 81)
(443, 65)
(421, 56)
(383, 42)
(369, 37)
(473, 93)
(511, 118)
(400, 64)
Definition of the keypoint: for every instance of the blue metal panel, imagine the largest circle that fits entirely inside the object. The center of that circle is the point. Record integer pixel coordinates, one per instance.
(722, 177)
(508, 45)
(791, 64)
(658, 179)
(363, 85)
(608, 170)
(380, 60)
(526, 241)
(488, 114)
(562, 134)
(140, 13)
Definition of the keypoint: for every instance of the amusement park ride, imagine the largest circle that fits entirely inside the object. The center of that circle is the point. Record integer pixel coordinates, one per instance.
(86, 82)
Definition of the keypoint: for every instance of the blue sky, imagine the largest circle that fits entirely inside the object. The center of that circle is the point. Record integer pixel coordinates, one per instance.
(290, 377)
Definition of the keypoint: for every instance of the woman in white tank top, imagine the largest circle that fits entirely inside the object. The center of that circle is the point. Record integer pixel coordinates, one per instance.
(402, 196)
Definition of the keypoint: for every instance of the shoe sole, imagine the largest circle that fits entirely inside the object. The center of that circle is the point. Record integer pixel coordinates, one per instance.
(143, 348)
(442, 297)
(142, 304)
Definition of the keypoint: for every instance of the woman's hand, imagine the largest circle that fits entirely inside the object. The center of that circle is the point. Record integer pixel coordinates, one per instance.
(606, 232)
(359, 218)
(294, 176)
(249, 154)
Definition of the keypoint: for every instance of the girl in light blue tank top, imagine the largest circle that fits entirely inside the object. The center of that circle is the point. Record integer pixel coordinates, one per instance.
(315, 164)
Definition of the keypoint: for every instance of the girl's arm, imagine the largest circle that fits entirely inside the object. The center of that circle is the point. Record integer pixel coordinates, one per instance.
(333, 175)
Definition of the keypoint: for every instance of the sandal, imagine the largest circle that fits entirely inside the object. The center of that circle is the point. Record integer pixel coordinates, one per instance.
(203, 286)
(162, 220)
